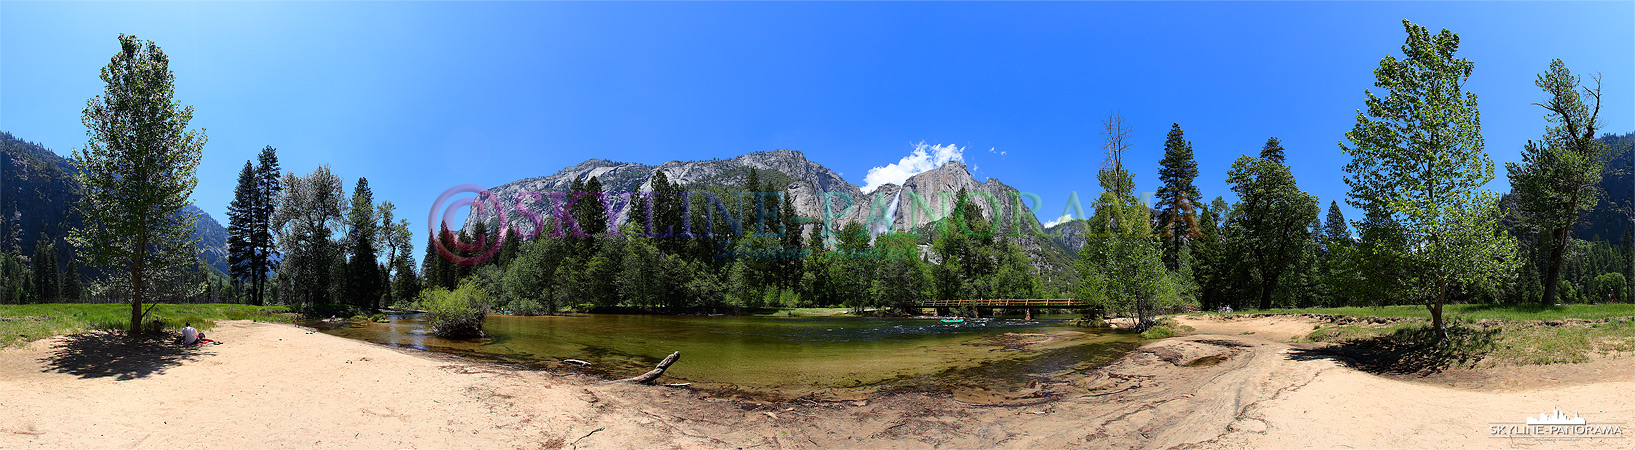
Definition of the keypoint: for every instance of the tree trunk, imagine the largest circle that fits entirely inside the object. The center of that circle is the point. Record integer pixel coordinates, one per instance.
(1435, 305)
(647, 378)
(1552, 278)
(136, 290)
(1266, 289)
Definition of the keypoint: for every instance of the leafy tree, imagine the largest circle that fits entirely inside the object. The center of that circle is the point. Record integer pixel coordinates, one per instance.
(902, 279)
(1274, 215)
(1417, 158)
(1175, 198)
(1121, 266)
(1559, 176)
(137, 172)
(398, 240)
(310, 209)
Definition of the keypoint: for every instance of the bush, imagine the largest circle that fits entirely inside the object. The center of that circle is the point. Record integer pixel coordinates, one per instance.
(1157, 332)
(528, 307)
(457, 313)
(1610, 286)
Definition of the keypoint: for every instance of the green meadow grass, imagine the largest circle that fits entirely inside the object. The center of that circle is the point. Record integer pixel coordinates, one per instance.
(1495, 342)
(23, 323)
(1474, 312)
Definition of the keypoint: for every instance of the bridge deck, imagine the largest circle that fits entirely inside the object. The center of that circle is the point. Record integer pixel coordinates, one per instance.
(1061, 303)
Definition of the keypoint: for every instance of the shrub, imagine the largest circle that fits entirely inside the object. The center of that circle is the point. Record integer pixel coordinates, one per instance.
(456, 313)
(528, 307)
(1609, 286)
(1157, 332)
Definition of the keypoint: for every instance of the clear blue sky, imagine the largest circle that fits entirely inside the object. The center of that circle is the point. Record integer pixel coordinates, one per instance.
(419, 97)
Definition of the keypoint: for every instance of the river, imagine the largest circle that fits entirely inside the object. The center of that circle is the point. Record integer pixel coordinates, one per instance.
(778, 358)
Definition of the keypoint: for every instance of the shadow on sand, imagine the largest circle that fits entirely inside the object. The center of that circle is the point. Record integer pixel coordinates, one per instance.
(99, 354)
(1408, 351)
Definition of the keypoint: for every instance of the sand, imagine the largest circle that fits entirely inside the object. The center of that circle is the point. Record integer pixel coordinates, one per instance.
(279, 386)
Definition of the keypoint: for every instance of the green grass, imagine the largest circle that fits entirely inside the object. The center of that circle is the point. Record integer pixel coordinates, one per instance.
(1493, 343)
(1474, 312)
(23, 323)
(800, 312)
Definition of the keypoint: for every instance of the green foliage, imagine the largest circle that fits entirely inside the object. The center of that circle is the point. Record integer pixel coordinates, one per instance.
(362, 284)
(1611, 287)
(1120, 266)
(137, 172)
(456, 313)
(23, 323)
(1176, 196)
(251, 251)
(310, 210)
(1157, 332)
(1417, 158)
(1270, 225)
(1559, 176)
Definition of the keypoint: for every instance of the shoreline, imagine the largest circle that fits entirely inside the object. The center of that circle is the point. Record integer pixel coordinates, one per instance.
(279, 385)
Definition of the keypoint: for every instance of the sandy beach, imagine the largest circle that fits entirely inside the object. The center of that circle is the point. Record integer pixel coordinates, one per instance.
(281, 386)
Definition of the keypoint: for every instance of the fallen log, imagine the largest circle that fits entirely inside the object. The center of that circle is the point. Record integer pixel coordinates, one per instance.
(647, 378)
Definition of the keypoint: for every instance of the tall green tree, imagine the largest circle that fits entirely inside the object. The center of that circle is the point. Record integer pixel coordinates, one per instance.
(1121, 266)
(1335, 228)
(1176, 197)
(1559, 175)
(1417, 157)
(241, 216)
(47, 279)
(269, 191)
(1273, 219)
(310, 210)
(363, 277)
(137, 172)
(71, 285)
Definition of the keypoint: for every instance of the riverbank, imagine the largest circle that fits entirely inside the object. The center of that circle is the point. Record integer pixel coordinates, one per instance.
(277, 386)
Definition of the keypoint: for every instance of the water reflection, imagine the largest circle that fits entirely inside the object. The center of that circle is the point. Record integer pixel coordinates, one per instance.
(825, 357)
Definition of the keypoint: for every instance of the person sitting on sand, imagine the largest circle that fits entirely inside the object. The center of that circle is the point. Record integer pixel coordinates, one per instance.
(190, 335)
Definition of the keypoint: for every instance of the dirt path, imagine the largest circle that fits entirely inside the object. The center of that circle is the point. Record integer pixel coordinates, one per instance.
(277, 386)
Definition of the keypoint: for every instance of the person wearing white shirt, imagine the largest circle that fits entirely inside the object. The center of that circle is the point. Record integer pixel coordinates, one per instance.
(190, 336)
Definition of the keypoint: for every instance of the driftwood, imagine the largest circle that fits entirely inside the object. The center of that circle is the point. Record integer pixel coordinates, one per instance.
(647, 378)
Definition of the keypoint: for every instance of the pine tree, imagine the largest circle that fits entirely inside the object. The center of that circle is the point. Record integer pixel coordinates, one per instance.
(47, 281)
(1176, 197)
(1272, 151)
(1336, 230)
(71, 287)
(364, 288)
(264, 249)
(241, 226)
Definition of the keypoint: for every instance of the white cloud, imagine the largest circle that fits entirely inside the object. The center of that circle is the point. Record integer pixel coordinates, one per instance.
(924, 157)
(1059, 220)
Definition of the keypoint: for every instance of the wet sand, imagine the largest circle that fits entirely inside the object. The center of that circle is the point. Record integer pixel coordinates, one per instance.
(279, 386)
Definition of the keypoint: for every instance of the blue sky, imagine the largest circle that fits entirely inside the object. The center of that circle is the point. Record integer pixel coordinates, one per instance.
(419, 97)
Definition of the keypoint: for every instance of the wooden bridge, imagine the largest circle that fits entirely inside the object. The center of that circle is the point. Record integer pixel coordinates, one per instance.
(1028, 304)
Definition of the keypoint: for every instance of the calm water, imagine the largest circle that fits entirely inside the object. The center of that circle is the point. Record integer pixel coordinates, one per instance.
(775, 357)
